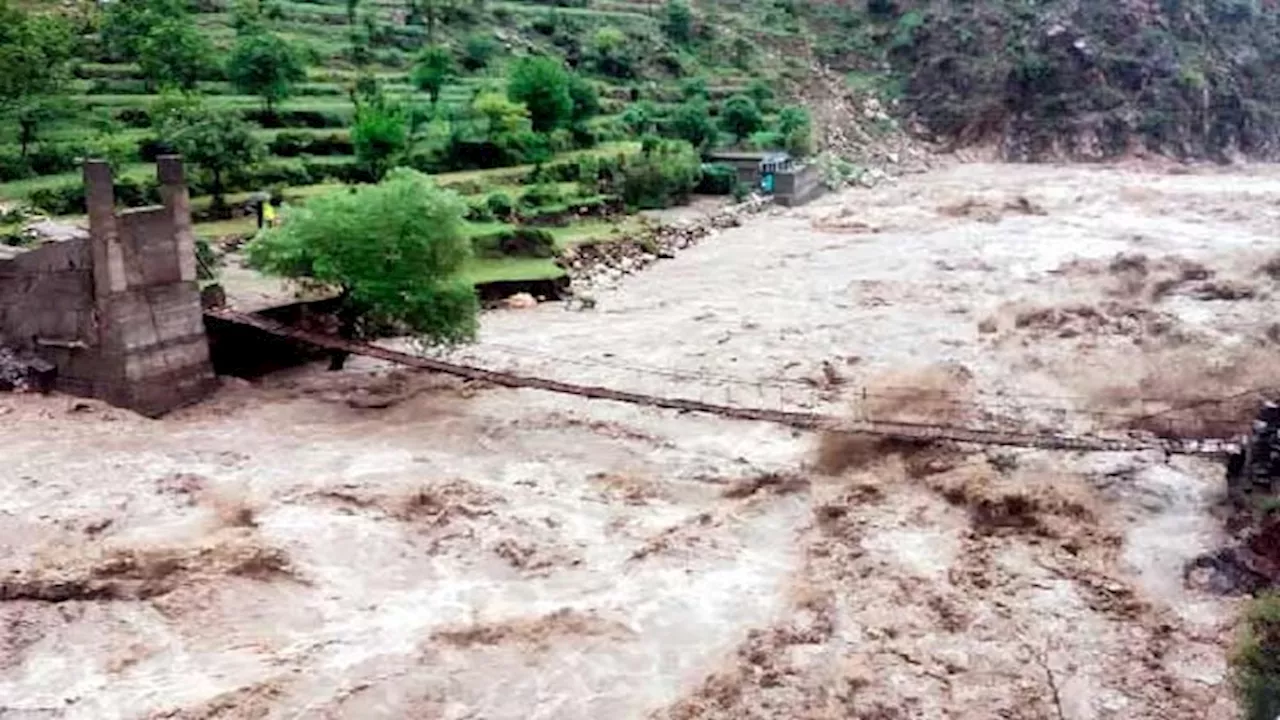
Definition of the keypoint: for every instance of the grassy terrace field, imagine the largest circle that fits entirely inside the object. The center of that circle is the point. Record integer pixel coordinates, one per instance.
(621, 48)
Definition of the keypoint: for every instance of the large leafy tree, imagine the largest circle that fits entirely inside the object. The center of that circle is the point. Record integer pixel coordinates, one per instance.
(218, 142)
(501, 116)
(542, 84)
(265, 64)
(611, 54)
(393, 251)
(433, 70)
(692, 123)
(740, 117)
(478, 49)
(380, 135)
(663, 175)
(796, 130)
(126, 24)
(175, 54)
(34, 51)
(677, 21)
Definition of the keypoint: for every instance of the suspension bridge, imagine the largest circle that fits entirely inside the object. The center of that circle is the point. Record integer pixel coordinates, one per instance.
(907, 431)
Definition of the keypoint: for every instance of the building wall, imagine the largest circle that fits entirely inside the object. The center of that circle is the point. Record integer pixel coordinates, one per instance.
(47, 308)
(119, 313)
(798, 187)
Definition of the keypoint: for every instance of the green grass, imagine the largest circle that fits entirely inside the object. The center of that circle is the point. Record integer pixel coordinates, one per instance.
(244, 226)
(480, 270)
(477, 229)
(593, 229)
(19, 189)
(612, 148)
(522, 7)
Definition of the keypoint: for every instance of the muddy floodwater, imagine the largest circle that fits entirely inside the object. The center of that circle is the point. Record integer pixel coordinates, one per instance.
(377, 543)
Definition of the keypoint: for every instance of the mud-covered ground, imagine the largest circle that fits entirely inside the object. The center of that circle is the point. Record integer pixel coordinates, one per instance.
(381, 544)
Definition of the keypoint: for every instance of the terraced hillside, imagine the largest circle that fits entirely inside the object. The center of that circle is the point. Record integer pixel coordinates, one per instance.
(637, 68)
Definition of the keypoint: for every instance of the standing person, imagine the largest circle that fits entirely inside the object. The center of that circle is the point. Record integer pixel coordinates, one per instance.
(259, 202)
(268, 214)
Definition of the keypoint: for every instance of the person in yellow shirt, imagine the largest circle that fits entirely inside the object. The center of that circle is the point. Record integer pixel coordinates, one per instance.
(269, 214)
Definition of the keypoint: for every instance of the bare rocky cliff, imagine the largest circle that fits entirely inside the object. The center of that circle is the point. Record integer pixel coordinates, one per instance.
(1069, 79)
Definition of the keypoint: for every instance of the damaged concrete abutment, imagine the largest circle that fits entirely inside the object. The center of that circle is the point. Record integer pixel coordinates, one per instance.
(117, 312)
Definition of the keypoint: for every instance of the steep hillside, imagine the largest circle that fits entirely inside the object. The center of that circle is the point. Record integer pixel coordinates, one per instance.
(1071, 78)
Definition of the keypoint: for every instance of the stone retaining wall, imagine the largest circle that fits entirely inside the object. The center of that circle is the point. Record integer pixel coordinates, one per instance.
(118, 313)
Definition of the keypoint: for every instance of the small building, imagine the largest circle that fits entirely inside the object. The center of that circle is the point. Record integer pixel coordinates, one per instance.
(751, 166)
(790, 181)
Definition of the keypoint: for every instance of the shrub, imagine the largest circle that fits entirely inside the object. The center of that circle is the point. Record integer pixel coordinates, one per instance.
(541, 195)
(662, 176)
(500, 205)
(297, 118)
(13, 167)
(520, 242)
(694, 88)
(765, 140)
(293, 144)
(1256, 661)
(477, 50)
(68, 198)
(762, 94)
(477, 210)
(717, 179)
(611, 54)
(207, 261)
(63, 199)
(740, 117)
(608, 129)
(350, 172)
(134, 117)
(281, 173)
(640, 117)
(150, 148)
(54, 158)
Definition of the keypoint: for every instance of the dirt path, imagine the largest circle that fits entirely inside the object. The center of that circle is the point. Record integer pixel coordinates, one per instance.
(382, 544)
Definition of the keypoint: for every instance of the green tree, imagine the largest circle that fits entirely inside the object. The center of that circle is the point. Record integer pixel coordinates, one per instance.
(380, 135)
(740, 117)
(741, 51)
(542, 84)
(640, 117)
(393, 251)
(586, 101)
(610, 53)
(265, 64)
(500, 115)
(126, 24)
(217, 142)
(695, 88)
(677, 21)
(664, 174)
(762, 93)
(796, 130)
(692, 123)
(34, 51)
(175, 54)
(477, 50)
(433, 70)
